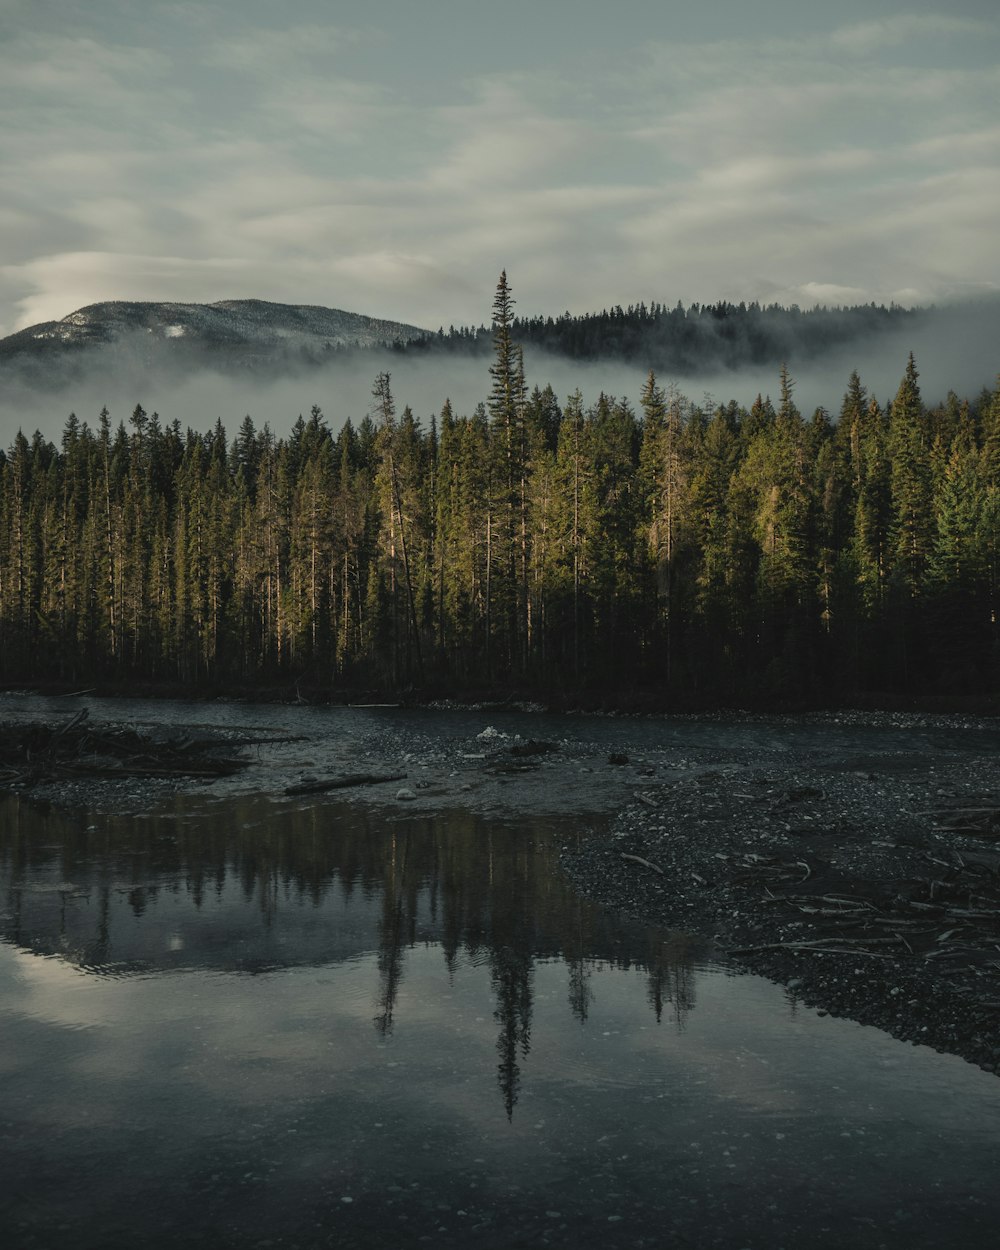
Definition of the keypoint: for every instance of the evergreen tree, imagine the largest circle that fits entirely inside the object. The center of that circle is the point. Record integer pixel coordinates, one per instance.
(911, 532)
(509, 545)
(910, 483)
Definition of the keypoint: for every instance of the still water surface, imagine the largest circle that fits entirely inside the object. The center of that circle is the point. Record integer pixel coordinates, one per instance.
(254, 1021)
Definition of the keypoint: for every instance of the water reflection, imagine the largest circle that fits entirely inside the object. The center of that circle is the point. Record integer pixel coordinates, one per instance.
(254, 885)
(256, 1023)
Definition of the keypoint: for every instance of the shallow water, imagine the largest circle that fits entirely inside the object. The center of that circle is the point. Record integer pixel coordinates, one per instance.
(252, 1021)
(342, 726)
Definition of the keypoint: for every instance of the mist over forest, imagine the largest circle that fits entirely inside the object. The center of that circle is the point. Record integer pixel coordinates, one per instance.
(481, 521)
(956, 349)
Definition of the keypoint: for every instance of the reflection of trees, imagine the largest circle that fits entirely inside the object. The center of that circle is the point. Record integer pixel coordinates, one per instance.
(291, 884)
(395, 932)
(101, 945)
(670, 968)
(580, 993)
(512, 976)
(515, 883)
(575, 948)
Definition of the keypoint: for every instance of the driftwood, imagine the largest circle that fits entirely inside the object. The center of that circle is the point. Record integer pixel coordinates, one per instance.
(78, 719)
(950, 914)
(343, 783)
(637, 859)
(978, 816)
(753, 867)
(812, 947)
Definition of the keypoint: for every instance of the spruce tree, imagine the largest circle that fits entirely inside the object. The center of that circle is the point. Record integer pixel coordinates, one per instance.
(910, 483)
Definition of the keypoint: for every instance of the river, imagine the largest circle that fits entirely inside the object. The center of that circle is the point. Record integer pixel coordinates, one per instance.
(233, 1018)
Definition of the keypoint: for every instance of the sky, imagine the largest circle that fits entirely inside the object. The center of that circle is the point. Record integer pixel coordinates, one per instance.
(391, 158)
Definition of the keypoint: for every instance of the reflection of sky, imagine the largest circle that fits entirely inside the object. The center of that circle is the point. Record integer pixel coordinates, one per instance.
(208, 1074)
(311, 1029)
(265, 1100)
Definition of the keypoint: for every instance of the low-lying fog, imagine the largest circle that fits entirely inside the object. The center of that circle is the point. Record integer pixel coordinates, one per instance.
(956, 349)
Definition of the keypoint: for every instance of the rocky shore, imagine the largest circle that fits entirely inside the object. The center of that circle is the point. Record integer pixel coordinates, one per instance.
(870, 888)
(861, 872)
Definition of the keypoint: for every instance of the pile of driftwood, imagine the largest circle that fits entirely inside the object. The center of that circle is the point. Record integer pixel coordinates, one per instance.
(949, 915)
(978, 816)
(33, 754)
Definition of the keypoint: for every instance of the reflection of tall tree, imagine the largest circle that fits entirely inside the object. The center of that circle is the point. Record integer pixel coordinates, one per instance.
(671, 975)
(464, 863)
(580, 993)
(513, 981)
(517, 886)
(580, 968)
(394, 932)
(98, 952)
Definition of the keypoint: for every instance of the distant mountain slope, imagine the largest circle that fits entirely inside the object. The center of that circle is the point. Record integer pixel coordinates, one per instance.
(693, 340)
(228, 335)
(129, 348)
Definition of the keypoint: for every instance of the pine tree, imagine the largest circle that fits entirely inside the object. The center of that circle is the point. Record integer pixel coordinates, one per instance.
(957, 572)
(405, 629)
(665, 475)
(910, 483)
(574, 518)
(509, 545)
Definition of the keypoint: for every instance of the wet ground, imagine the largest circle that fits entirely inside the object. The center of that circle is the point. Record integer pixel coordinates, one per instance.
(851, 887)
(495, 1001)
(853, 857)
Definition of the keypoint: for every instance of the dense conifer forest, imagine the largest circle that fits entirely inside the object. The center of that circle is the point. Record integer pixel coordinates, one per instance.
(686, 341)
(682, 556)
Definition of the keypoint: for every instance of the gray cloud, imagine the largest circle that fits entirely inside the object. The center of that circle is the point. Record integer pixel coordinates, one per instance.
(196, 153)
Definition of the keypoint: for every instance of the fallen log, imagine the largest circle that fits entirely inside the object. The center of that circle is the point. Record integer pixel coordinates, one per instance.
(992, 810)
(257, 742)
(78, 719)
(832, 911)
(809, 947)
(342, 783)
(978, 831)
(637, 859)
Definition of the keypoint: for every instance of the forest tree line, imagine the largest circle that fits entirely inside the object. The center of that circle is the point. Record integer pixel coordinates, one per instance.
(700, 338)
(696, 556)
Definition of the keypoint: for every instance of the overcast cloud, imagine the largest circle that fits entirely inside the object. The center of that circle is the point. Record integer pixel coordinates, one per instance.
(391, 158)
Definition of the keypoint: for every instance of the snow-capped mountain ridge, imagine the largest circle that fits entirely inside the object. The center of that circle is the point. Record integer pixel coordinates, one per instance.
(248, 338)
(245, 323)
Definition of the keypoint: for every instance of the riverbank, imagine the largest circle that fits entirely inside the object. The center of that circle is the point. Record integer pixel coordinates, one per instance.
(870, 888)
(851, 857)
(613, 699)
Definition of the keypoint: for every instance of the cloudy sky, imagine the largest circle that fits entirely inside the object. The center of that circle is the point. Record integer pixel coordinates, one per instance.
(392, 157)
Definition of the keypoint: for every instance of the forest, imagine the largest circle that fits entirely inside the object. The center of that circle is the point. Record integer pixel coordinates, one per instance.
(666, 555)
(699, 339)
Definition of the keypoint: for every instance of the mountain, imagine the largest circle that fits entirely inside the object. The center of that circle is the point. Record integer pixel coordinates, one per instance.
(230, 336)
(186, 356)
